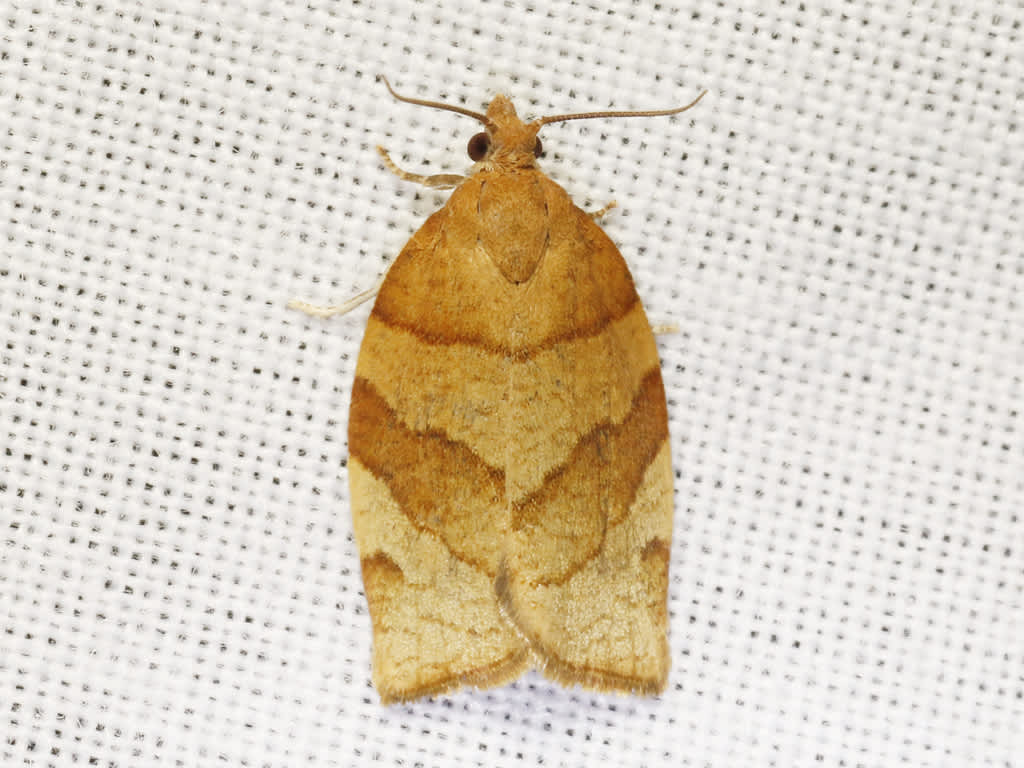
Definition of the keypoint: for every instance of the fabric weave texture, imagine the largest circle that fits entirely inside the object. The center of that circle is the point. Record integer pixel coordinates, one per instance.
(836, 229)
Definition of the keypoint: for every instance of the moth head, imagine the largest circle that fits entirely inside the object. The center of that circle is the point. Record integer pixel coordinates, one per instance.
(507, 139)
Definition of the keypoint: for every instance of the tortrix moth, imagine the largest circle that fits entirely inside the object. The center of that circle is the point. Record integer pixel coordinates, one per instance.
(509, 460)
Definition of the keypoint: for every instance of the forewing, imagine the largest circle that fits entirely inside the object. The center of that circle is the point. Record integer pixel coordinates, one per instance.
(426, 477)
(589, 476)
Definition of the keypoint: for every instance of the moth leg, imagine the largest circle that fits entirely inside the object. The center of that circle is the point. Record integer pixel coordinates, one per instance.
(438, 181)
(600, 212)
(664, 329)
(337, 309)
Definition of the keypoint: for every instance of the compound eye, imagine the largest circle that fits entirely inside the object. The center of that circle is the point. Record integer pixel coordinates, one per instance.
(478, 146)
(538, 149)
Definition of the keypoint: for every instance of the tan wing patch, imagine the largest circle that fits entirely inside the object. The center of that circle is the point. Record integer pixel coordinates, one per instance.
(436, 625)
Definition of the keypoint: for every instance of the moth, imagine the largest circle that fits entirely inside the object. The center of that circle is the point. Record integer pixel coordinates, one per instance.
(509, 461)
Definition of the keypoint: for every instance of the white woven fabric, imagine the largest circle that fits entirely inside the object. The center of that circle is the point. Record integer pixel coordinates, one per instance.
(836, 229)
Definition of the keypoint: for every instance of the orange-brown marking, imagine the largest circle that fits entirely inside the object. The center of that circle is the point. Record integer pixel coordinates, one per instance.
(447, 288)
(451, 493)
(566, 520)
